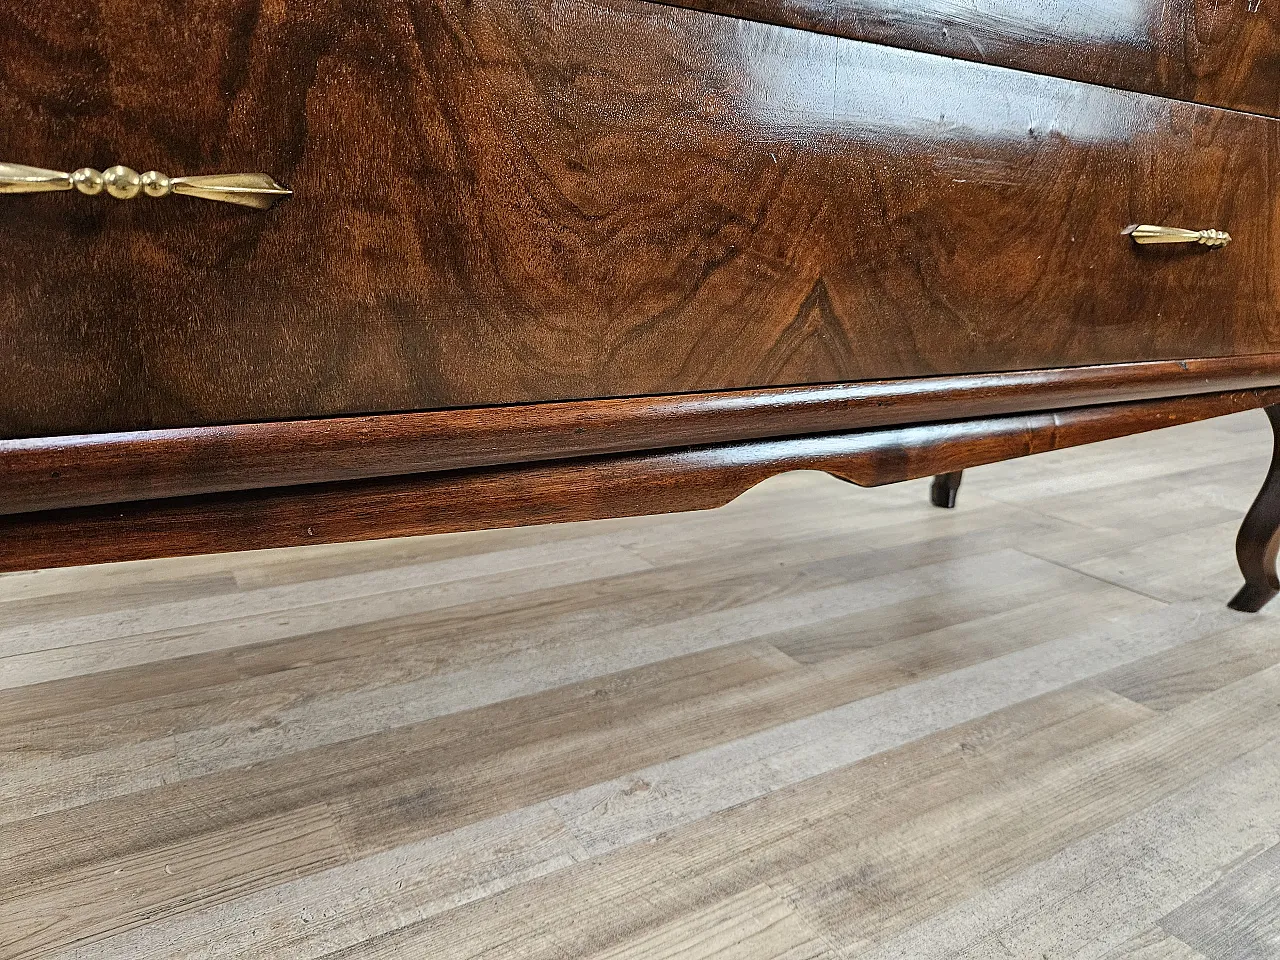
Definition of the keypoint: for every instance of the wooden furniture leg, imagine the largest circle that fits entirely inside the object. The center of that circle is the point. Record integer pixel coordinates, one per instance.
(944, 490)
(1259, 540)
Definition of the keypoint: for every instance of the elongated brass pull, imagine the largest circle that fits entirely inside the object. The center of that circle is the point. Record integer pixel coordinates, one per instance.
(1147, 233)
(246, 189)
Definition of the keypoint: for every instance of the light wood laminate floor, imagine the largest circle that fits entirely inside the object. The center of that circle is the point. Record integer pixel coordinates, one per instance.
(823, 722)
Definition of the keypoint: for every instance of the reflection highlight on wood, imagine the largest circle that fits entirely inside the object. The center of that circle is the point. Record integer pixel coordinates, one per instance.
(1213, 53)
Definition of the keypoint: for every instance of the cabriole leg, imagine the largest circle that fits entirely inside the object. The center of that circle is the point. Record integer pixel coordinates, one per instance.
(945, 488)
(1259, 539)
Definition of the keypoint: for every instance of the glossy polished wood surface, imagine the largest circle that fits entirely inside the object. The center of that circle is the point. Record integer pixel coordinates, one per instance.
(501, 202)
(1223, 52)
(590, 488)
(57, 472)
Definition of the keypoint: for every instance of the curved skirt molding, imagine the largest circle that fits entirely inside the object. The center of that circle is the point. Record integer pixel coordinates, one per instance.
(73, 471)
(580, 489)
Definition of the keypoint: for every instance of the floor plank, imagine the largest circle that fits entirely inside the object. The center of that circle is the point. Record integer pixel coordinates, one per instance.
(1238, 918)
(938, 766)
(1154, 944)
(822, 722)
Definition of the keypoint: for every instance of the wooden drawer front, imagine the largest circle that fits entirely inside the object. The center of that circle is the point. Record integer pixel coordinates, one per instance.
(504, 201)
(1223, 52)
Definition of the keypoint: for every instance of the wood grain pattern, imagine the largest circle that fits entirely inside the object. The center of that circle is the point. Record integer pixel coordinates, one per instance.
(1196, 50)
(503, 201)
(1181, 676)
(1154, 944)
(61, 472)
(698, 478)
(1238, 918)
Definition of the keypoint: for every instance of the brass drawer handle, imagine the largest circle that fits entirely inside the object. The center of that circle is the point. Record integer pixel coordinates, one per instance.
(246, 189)
(1147, 233)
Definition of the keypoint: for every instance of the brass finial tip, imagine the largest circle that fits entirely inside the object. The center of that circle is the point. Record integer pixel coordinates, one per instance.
(1150, 233)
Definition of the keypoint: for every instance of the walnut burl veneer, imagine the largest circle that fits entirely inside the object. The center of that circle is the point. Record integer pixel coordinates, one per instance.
(544, 260)
(508, 201)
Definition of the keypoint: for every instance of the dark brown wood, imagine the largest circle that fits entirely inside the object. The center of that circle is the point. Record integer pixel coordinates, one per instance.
(511, 201)
(59, 472)
(584, 489)
(1258, 545)
(1222, 52)
(945, 489)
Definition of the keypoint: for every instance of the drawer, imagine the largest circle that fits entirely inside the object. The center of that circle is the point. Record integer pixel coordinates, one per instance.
(510, 201)
(1222, 52)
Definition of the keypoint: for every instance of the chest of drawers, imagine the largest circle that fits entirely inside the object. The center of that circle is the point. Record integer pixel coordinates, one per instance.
(508, 262)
